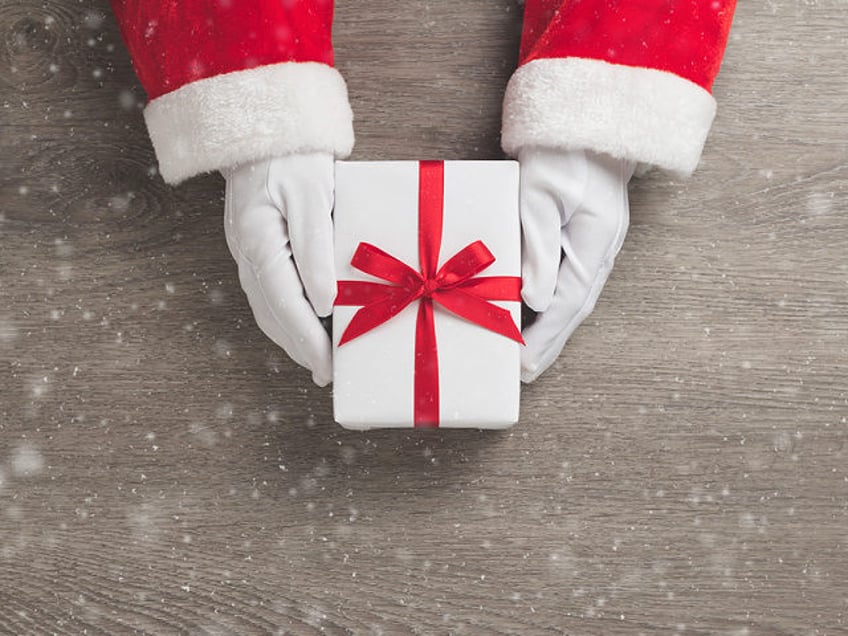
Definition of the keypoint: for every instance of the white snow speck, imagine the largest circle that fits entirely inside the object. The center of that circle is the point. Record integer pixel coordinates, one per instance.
(127, 100)
(216, 296)
(120, 203)
(8, 330)
(222, 348)
(38, 386)
(782, 442)
(820, 203)
(205, 435)
(93, 19)
(63, 248)
(746, 520)
(27, 461)
(65, 272)
(224, 411)
(348, 454)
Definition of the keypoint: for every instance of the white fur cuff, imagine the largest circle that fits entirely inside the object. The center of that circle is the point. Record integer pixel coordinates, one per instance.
(231, 119)
(644, 115)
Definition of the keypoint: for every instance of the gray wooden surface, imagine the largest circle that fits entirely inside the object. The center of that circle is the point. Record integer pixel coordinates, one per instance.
(165, 469)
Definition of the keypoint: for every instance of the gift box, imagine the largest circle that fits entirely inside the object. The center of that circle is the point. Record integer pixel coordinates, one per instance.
(426, 328)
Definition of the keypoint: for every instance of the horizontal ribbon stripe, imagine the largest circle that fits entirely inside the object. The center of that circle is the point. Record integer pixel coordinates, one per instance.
(494, 287)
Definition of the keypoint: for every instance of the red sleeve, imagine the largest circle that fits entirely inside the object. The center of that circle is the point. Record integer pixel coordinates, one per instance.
(631, 78)
(233, 81)
(684, 37)
(174, 42)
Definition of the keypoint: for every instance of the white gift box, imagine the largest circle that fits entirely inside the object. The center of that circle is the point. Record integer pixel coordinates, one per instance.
(478, 369)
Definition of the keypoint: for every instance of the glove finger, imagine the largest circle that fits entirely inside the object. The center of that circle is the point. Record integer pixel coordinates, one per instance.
(540, 245)
(591, 240)
(306, 197)
(553, 183)
(286, 316)
(256, 234)
(265, 319)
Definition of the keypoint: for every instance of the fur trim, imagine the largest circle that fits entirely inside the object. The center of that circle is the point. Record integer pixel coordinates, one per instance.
(644, 115)
(228, 120)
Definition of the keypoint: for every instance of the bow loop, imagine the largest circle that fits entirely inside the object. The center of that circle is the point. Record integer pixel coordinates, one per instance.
(465, 264)
(372, 260)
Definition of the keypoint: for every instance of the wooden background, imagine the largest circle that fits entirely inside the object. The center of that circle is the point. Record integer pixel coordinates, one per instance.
(165, 469)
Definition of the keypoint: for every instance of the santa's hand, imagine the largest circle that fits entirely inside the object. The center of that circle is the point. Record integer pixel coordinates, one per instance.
(279, 229)
(574, 215)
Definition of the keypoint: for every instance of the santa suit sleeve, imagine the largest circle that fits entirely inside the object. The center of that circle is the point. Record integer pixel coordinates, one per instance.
(229, 81)
(630, 78)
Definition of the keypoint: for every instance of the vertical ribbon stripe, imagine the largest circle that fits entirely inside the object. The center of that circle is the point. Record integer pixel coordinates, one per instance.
(431, 196)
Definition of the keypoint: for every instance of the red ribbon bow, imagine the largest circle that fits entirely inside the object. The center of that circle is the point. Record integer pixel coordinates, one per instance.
(455, 286)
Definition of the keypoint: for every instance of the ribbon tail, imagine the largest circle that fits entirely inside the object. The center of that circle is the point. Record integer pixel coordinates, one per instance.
(426, 408)
(376, 313)
(480, 312)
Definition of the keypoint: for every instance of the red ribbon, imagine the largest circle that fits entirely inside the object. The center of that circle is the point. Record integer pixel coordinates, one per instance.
(455, 286)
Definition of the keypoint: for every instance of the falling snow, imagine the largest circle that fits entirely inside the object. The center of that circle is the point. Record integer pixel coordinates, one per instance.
(26, 461)
(9, 331)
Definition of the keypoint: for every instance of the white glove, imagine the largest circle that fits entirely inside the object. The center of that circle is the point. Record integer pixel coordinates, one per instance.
(574, 215)
(279, 229)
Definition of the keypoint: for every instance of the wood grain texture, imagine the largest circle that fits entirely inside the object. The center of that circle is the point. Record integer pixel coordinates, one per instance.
(165, 469)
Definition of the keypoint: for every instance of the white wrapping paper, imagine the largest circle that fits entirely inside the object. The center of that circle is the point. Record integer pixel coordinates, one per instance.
(479, 371)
